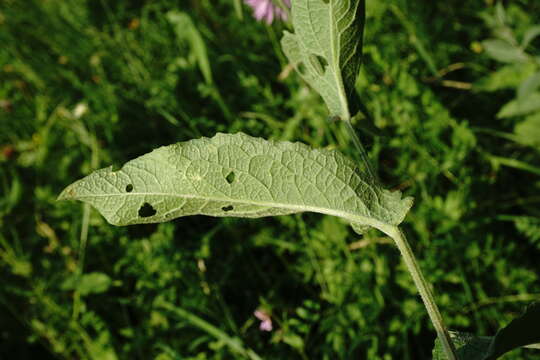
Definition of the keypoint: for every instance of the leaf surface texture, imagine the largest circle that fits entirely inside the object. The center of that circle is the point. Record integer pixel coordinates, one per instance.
(237, 175)
(326, 48)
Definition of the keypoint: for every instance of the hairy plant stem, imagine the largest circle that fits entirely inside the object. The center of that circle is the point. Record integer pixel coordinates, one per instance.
(410, 260)
(425, 292)
(362, 152)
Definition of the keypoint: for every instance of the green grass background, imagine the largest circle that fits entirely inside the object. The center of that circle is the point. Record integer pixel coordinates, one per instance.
(89, 83)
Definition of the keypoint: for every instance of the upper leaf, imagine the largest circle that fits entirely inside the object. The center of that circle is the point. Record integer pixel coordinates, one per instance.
(237, 175)
(326, 48)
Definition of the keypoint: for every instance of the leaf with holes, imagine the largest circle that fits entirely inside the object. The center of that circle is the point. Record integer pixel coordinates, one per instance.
(326, 48)
(238, 175)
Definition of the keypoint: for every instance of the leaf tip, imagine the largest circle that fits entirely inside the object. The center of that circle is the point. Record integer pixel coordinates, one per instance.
(409, 202)
(67, 194)
(71, 192)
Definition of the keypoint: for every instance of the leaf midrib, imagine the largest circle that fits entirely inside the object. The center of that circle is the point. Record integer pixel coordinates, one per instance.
(335, 60)
(352, 217)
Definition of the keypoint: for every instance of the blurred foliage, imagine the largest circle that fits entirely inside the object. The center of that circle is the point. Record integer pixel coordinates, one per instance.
(452, 89)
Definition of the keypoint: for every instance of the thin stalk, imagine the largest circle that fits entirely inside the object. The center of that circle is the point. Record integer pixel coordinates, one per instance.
(82, 253)
(285, 8)
(425, 292)
(94, 163)
(84, 237)
(410, 260)
(363, 154)
(238, 9)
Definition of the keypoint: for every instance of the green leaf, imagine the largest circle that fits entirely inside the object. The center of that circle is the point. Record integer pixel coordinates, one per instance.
(326, 48)
(468, 346)
(528, 131)
(91, 283)
(508, 76)
(519, 107)
(237, 175)
(503, 51)
(529, 226)
(527, 87)
(187, 31)
(521, 332)
(530, 35)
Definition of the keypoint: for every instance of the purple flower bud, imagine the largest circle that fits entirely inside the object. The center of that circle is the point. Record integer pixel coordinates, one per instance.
(266, 325)
(266, 321)
(268, 11)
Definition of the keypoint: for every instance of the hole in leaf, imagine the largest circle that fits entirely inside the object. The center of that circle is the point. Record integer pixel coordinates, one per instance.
(319, 63)
(301, 68)
(129, 187)
(230, 177)
(325, 1)
(227, 208)
(147, 210)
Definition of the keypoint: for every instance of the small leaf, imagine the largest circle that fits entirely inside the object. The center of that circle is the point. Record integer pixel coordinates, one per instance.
(527, 87)
(270, 178)
(530, 35)
(91, 283)
(326, 48)
(529, 226)
(293, 340)
(503, 51)
(519, 107)
(508, 76)
(186, 30)
(528, 131)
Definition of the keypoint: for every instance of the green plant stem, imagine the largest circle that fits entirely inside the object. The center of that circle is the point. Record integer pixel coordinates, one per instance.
(82, 253)
(363, 154)
(425, 292)
(410, 260)
(238, 9)
(514, 163)
(415, 41)
(94, 163)
(285, 8)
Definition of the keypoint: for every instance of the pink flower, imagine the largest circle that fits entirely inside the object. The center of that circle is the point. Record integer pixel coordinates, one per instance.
(267, 10)
(266, 321)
